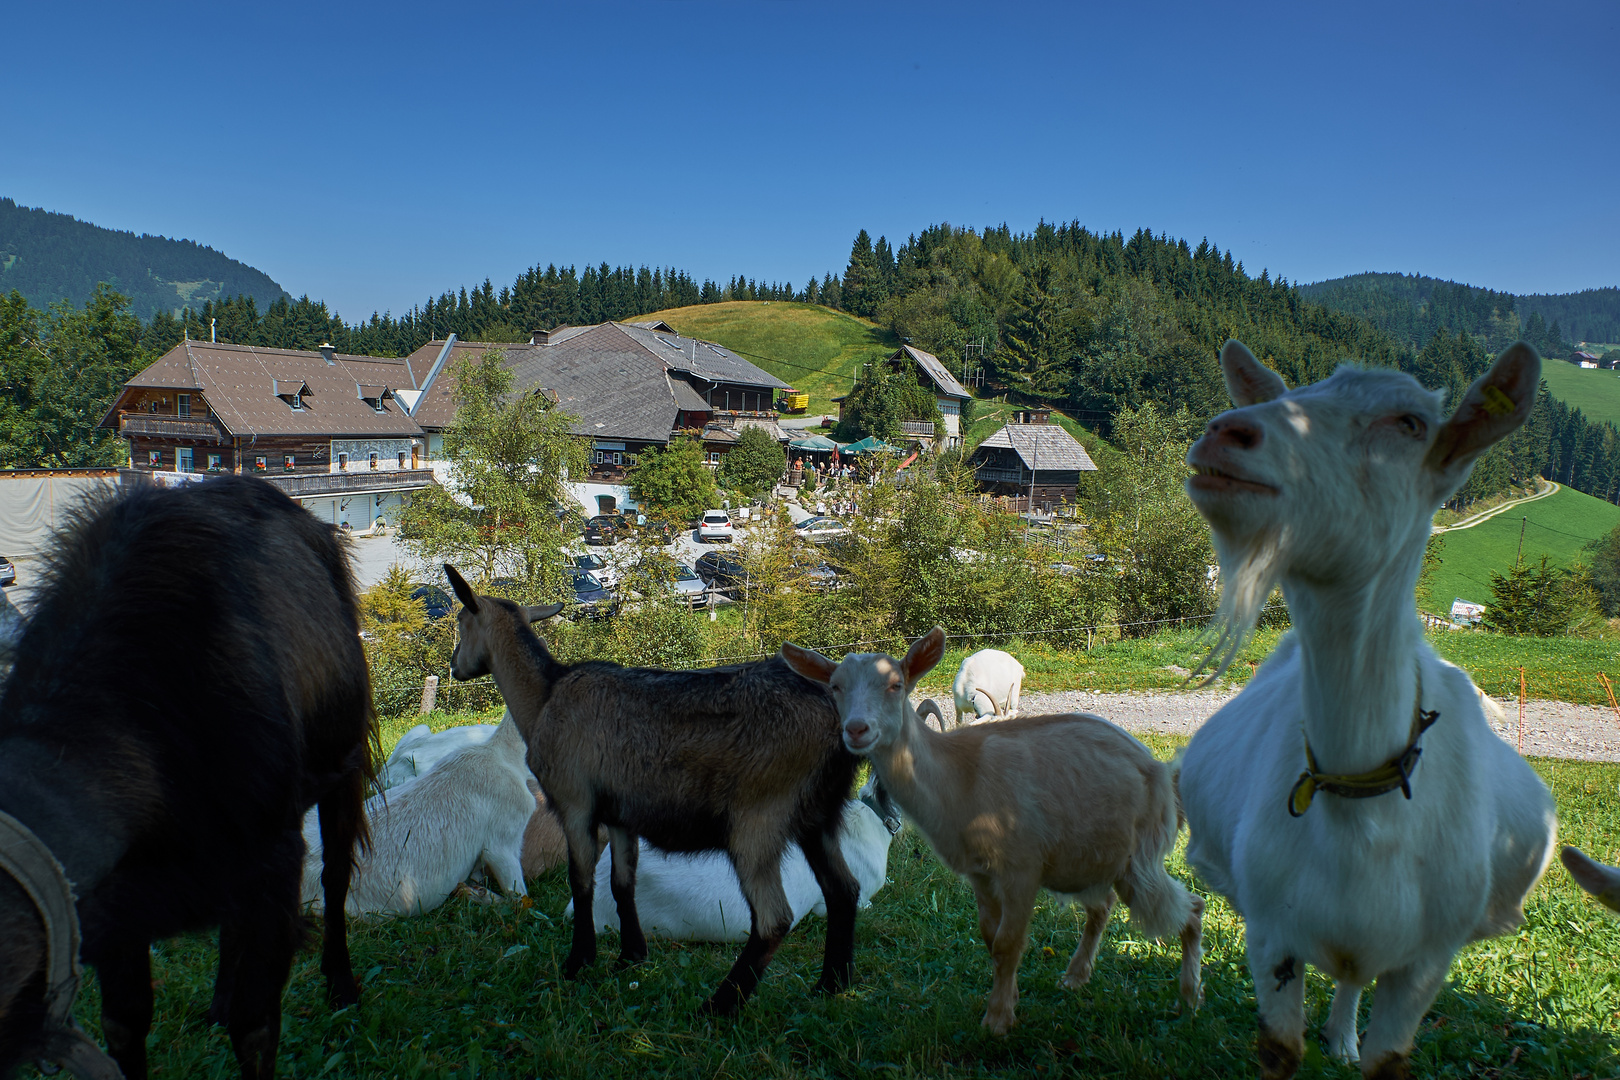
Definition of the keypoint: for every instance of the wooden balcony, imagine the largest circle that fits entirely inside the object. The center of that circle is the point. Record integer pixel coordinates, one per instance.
(167, 426)
(922, 429)
(352, 482)
(987, 475)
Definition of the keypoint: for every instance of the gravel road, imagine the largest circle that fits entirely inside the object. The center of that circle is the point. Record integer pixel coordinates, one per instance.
(1551, 728)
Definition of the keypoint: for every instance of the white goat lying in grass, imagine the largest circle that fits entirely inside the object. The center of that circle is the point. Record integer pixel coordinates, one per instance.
(987, 684)
(1070, 803)
(420, 748)
(1396, 862)
(696, 897)
(428, 834)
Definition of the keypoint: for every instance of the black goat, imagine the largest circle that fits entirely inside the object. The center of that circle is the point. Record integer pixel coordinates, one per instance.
(189, 684)
(738, 759)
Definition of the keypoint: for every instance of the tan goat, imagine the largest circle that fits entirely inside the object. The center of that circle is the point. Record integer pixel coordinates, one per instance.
(1070, 803)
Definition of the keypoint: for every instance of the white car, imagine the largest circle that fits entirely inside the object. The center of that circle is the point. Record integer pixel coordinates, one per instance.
(715, 526)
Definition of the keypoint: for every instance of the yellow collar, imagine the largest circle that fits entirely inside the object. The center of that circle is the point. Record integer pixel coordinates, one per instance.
(1395, 773)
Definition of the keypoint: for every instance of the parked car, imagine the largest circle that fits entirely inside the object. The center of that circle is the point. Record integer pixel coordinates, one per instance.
(591, 598)
(819, 530)
(721, 571)
(663, 530)
(8, 572)
(715, 526)
(435, 599)
(606, 529)
(597, 567)
(684, 582)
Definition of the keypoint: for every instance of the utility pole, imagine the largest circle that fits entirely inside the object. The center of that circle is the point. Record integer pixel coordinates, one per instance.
(1519, 558)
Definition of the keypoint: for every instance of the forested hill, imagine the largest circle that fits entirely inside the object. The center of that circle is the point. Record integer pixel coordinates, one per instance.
(1411, 308)
(49, 257)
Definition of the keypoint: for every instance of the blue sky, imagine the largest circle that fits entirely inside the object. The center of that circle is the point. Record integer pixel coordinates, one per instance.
(374, 155)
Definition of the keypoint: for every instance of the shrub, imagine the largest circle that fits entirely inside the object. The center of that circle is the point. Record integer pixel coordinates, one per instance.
(754, 465)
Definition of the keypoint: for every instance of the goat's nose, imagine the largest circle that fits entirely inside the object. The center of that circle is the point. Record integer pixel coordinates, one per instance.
(856, 729)
(1237, 431)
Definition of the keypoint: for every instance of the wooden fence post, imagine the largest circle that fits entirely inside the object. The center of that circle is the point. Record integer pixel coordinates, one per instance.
(1609, 689)
(430, 692)
(1521, 712)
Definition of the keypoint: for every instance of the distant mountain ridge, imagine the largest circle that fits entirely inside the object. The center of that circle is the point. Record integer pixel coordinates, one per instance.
(48, 257)
(1412, 307)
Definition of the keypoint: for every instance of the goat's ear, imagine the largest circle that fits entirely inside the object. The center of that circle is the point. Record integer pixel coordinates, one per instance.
(532, 615)
(807, 662)
(924, 653)
(1498, 402)
(463, 591)
(1248, 381)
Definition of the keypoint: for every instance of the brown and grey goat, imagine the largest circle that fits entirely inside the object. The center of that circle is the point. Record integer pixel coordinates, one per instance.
(1069, 803)
(740, 759)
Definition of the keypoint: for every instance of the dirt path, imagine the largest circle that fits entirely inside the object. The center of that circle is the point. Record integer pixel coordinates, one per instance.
(1468, 523)
(1551, 728)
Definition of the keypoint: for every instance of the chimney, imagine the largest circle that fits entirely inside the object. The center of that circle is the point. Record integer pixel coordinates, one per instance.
(329, 352)
(539, 337)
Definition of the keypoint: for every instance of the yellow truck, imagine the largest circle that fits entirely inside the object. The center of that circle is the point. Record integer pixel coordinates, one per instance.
(795, 401)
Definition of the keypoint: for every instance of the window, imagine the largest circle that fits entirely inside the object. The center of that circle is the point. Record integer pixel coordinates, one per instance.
(371, 460)
(287, 462)
(618, 458)
(182, 404)
(298, 402)
(376, 404)
(214, 463)
(261, 464)
(343, 461)
(714, 457)
(183, 460)
(154, 459)
(401, 456)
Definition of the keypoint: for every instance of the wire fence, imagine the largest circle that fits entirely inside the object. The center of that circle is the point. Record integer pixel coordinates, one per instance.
(1585, 680)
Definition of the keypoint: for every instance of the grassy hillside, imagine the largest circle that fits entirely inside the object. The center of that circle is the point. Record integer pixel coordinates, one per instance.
(817, 349)
(1557, 526)
(49, 257)
(1594, 391)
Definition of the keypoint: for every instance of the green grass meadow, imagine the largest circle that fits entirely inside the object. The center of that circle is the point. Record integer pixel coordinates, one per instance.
(475, 991)
(1594, 391)
(815, 348)
(1557, 526)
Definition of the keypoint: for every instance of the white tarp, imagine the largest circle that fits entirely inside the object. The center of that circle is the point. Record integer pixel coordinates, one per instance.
(32, 505)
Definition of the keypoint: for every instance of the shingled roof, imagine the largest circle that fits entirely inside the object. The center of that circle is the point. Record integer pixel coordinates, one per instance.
(944, 382)
(1044, 446)
(622, 380)
(244, 384)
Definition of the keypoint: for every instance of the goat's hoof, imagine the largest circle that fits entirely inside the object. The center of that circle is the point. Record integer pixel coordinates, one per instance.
(1074, 980)
(630, 960)
(575, 964)
(830, 986)
(1345, 1049)
(342, 995)
(721, 1004)
(997, 1023)
(1392, 1066)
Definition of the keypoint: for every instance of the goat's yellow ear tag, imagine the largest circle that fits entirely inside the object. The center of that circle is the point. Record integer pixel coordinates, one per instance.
(1496, 402)
(1299, 799)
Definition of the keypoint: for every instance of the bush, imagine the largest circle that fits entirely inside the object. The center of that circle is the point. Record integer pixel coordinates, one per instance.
(673, 483)
(754, 465)
(1539, 600)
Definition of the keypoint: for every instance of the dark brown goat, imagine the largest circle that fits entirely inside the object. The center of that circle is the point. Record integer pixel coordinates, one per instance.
(736, 759)
(190, 682)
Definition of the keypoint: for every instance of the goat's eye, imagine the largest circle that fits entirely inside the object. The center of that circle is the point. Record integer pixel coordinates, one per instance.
(1412, 425)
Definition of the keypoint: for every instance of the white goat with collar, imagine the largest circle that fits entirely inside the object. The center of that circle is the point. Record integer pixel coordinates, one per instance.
(1329, 490)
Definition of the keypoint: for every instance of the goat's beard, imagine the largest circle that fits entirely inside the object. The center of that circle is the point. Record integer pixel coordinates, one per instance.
(1251, 566)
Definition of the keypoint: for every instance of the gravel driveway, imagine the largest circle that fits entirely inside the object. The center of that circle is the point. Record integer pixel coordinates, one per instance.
(1551, 728)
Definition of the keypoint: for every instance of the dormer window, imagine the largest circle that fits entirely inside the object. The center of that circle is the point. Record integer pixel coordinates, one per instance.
(297, 401)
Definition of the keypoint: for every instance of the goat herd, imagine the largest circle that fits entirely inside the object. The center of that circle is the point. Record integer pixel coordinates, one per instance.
(190, 685)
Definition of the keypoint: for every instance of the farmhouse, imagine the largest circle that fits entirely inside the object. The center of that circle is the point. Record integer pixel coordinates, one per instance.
(331, 430)
(926, 368)
(631, 385)
(1033, 462)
